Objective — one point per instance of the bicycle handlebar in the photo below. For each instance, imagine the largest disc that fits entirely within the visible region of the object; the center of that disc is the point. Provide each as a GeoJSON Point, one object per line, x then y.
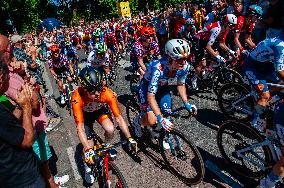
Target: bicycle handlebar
{"type": "Point", "coordinates": [276, 85]}
{"type": "Point", "coordinates": [107, 148]}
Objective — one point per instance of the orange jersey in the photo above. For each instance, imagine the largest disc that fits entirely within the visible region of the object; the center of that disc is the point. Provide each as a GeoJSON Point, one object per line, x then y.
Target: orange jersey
{"type": "Point", "coordinates": [81, 103]}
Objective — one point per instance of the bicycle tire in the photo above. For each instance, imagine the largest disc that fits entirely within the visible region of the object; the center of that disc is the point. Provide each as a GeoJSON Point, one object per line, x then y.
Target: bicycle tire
{"type": "Point", "coordinates": [226, 105]}
{"type": "Point", "coordinates": [197, 159]}
{"type": "Point", "coordinates": [242, 129]}
{"type": "Point", "coordinates": [223, 77]}
{"type": "Point", "coordinates": [115, 170]}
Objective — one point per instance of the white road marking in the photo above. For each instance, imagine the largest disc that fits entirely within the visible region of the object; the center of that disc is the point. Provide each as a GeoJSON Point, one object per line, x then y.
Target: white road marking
{"type": "Point", "coordinates": [71, 156]}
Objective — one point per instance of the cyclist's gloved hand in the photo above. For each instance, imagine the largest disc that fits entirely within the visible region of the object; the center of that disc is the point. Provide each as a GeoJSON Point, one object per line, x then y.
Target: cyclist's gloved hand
{"type": "Point", "coordinates": [89, 156]}
{"type": "Point", "coordinates": [191, 108]}
{"type": "Point", "coordinates": [132, 144]}
{"type": "Point", "coordinates": [233, 53]}
{"type": "Point", "coordinates": [245, 53]}
{"type": "Point", "coordinates": [220, 59]}
{"type": "Point", "coordinates": [165, 123]}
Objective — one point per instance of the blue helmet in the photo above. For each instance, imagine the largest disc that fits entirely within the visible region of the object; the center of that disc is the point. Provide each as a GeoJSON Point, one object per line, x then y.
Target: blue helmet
{"type": "Point", "coordinates": [190, 21]}
{"type": "Point", "coordinates": [255, 10]}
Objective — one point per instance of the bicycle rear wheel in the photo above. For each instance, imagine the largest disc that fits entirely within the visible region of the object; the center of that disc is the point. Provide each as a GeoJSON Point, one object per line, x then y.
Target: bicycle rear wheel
{"type": "Point", "coordinates": [183, 158]}
{"type": "Point", "coordinates": [116, 179]}
{"type": "Point", "coordinates": [232, 138]}
{"type": "Point", "coordinates": [236, 102]}
{"type": "Point", "coordinates": [223, 77]}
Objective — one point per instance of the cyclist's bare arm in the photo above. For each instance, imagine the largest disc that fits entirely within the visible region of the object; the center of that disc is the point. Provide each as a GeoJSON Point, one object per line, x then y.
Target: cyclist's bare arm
{"type": "Point", "coordinates": [83, 137]}
{"type": "Point", "coordinates": [71, 68]}
{"type": "Point", "coordinates": [236, 40]}
{"type": "Point", "coordinates": [153, 104]}
{"type": "Point", "coordinates": [182, 92]}
{"type": "Point", "coordinates": [211, 51]}
{"type": "Point", "coordinates": [109, 97]}
{"type": "Point", "coordinates": [77, 105]}
{"type": "Point", "coordinates": [249, 41]}
{"type": "Point", "coordinates": [141, 64]}
{"type": "Point", "coordinates": [224, 46]}
{"type": "Point", "coordinates": [123, 126]}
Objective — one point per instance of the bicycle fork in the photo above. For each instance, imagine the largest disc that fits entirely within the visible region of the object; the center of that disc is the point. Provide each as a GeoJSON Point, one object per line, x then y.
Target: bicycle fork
{"type": "Point", "coordinates": [174, 143]}
{"type": "Point", "coordinates": [106, 166]}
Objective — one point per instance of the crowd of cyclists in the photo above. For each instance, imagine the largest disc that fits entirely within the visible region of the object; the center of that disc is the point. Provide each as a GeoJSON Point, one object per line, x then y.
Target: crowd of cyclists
{"type": "Point", "coordinates": [179, 43]}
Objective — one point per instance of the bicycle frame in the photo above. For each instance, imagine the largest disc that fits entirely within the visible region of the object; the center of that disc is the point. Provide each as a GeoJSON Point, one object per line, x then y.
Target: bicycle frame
{"type": "Point", "coordinates": [253, 94]}
{"type": "Point", "coordinates": [172, 147]}
{"type": "Point", "coordinates": [106, 161]}
{"type": "Point", "coordinates": [276, 153]}
{"type": "Point", "coordinates": [105, 165]}
{"type": "Point", "coordinates": [235, 106]}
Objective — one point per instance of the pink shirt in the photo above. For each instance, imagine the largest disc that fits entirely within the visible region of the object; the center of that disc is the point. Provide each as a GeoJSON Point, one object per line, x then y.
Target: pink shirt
{"type": "Point", "coordinates": [39, 118]}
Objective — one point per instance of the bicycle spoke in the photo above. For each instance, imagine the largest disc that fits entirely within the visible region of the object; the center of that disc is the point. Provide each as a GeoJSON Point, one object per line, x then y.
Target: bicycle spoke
{"type": "Point", "coordinates": [182, 157]}
{"type": "Point", "coordinates": [237, 143]}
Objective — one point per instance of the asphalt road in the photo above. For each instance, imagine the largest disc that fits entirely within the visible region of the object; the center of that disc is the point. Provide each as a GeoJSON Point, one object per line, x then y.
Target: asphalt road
{"type": "Point", "coordinates": [201, 129]}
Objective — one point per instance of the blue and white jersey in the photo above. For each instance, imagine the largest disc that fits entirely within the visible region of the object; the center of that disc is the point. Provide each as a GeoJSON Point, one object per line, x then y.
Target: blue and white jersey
{"type": "Point", "coordinates": [158, 74]}
{"type": "Point", "coordinates": [270, 50]}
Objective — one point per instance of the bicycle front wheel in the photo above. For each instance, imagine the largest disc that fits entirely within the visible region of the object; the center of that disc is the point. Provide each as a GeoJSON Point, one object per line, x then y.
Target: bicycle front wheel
{"type": "Point", "coordinates": [182, 157]}
{"type": "Point", "coordinates": [238, 144]}
{"type": "Point", "coordinates": [115, 178]}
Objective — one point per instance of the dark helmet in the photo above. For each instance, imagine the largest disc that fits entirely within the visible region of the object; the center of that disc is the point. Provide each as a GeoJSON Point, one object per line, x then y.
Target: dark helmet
{"type": "Point", "coordinates": [91, 78]}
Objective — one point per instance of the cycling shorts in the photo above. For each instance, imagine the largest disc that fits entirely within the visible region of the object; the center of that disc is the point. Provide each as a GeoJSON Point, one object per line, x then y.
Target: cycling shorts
{"type": "Point", "coordinates": [90, 118]}
{"type": "Point", "coordinates": [259, 73]}
{"type": "Point", "coordinates": [163, 97]}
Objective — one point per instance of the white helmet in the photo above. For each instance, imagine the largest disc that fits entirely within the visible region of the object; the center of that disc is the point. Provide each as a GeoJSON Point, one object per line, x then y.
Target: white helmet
{"type": "Point", "coordinates": [177, 49]}
{"type": "Point", "coordinates": [231, 18]}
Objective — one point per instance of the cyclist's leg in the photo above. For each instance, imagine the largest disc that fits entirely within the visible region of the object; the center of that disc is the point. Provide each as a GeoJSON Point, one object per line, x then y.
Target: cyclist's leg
{"type": "Point", "coordinates": [59, 83]}
{"type": "Point", "coordinates": [103, 118]}
{"type": "Point", "coordinates": [149, 117]}
{"type": "Point", "coordinates": [164, 101]}
{"type": "Point", "coordinates": [277, 172]}
{"type": "Point", "coordinates": [258, 82]}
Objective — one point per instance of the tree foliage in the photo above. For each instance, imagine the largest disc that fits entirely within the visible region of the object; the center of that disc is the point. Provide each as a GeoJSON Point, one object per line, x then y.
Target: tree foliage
{"type": "Point", "coordinates": [27, 14]}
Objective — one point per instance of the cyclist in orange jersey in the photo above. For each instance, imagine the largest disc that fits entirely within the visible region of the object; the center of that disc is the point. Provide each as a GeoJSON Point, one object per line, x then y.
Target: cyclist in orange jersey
{"type": "Point", "coordinates": [90, 103]}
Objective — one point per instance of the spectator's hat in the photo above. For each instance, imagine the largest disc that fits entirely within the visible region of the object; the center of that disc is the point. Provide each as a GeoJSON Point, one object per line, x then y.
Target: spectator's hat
{"type": "Point", "coordinates": [16, 38]}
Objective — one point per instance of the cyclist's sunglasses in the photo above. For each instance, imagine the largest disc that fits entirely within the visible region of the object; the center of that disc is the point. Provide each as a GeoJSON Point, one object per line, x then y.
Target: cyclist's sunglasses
{"type": "Point", "coordinates": [93, 89]}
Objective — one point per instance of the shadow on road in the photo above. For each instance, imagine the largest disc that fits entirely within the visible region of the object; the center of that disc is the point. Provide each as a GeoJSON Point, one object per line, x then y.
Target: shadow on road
{"type": "Point", "coordinates": [210, 118]}
{"type": "Point", "coordinates": [217, 180]}
{"type": "Point", "coordinates": [124, 98]}
{"type": "Point", "coordinates": [52, 161]}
